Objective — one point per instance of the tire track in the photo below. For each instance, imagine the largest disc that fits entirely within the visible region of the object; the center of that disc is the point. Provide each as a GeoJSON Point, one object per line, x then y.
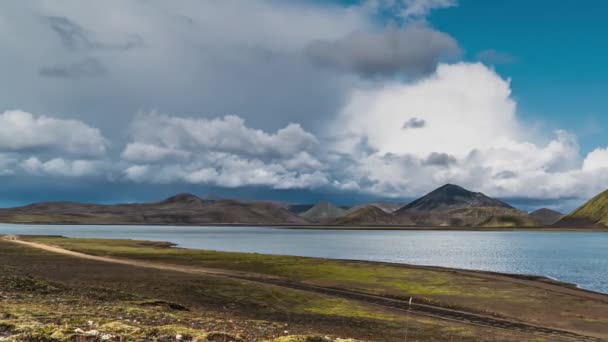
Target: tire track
{"type": "Point", "coordinates": [429, 310]}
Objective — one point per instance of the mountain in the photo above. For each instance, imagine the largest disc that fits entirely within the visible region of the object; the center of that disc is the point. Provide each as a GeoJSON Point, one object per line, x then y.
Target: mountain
{"type": "Point", "coordinates": [183, 209]}
{"type": "Point", "coordinates": [454, 206]}
{"type": "Point", "coordinates": [546, 216]}
{"type": "Point", "coordinates": [298, 208]}
{"type": "Point", "coordinates": [387, 207]}
{"type": "Point", "coordinates": [450, 197]}
{"type": "Point", "coordinates": [594, 213]}
{"type": "Point", "coordinates": [473, 217]}
{"type": "Point", "coordinates": [323, 212]}
{"type": "Point", "coordinates": [371, 215]}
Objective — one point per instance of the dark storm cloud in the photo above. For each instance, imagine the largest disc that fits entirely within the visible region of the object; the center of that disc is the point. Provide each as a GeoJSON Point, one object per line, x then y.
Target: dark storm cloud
{"type": "Point", "coordinates": [414, 123]}
{"type": "Point", "coordinates": [505, 175]}
{"type": "Point", "coordinates": [88, 67]}
{"type": "Point", "coordinates": [76, 38]}
{"type": "Point", "coordinates": [409, 50]}
{"type": "Point", "coordinates": [440, 159]}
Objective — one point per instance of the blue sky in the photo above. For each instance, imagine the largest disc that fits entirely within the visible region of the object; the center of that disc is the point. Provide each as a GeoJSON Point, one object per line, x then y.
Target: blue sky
{"type": "Point", "coordinates": [350, 101]}
{"type": "Point", "coordinates": [559, 75]}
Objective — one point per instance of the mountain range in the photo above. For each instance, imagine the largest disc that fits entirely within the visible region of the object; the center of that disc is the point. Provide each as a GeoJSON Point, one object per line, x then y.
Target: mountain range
{"type": "Point", "coordinates": [447, 206]}
{"type": "Point", "coordinates": [183, 209]}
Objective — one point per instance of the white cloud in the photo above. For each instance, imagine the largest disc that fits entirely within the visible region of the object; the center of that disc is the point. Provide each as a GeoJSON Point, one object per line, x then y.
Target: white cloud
{"type": "Point", "coordinates": [62, 167]}
{"type": "Point", "coordinates": [141, 152]}
{"type": "Point", "coordinates": [471, 122]}
{"type": "Point", "coordinates": [465, 106]}
{"type": "Point", "coordinates": [23, 132]}
{"type": "Point", "coordinates": [223, 152]}
{"type": "Point", "coordinates": [171, 135]}
{"type": "Point", "coordinates": [596, 160]}
{"type": "Point", "coordinates": [421, 8]}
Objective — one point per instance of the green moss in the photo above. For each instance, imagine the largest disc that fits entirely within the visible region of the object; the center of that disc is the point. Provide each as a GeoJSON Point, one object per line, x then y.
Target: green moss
{"type": "Point", "coordinates": [596, 210]}
{"type": "Point", "coordinates": [374, 278]}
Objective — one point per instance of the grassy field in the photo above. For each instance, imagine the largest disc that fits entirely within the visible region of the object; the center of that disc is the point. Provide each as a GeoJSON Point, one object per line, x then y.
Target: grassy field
{"type": "Point", "coordinates": [49, 294]}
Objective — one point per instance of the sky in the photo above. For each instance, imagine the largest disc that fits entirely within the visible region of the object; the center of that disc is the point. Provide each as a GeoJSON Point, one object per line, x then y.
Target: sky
{"type": "Point", "coordinates": [294, 100]}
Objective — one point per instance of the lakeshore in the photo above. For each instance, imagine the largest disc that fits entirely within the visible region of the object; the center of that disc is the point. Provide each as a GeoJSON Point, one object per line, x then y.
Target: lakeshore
{"type": "Point", "coordinates": [266, 297]}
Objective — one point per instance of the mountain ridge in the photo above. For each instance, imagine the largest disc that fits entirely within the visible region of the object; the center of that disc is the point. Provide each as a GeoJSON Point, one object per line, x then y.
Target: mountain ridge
{"type": "Point", "coordinates": [450, 197]}
{"type": "Point", "coordinates": [592, 214]}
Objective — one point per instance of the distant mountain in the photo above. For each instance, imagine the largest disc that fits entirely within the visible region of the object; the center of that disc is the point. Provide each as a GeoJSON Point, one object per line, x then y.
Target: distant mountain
{"type": "Point", "coordinates": [450, 197]}
{"type": "Point", "coordinates": [323, 212]}
{"type": "Point", "coordinates": [371, 215]}
{"type": "Point", "coordinates": [546, 216]}
{"type": "Point", "coordinates": [594, 213]}
{"type": "Point", "coordinates": [388, 207]}
{"type": "Point", "coordinates": [472, 217]}
{"type": "Point", "coordinates": [298, 208]}
{"type": "Point", "coordinates": [185, 199]}
{"type": "Point", "coordinates": [454, 206]}
{"type": "Point", "coordinates": [184, 209]}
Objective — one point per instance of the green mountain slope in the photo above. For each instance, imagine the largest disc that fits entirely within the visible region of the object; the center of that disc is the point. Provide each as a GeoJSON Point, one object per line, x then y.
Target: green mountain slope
{"type": "Point", "coordinates": [592, 213]}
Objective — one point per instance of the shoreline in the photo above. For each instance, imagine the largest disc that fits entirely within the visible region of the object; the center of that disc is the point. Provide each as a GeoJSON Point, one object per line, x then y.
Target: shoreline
{"type": "Point", "coordinates": [534, 278]}
{"type": "Point", "coordinates": [330, 227]}
{"type": "Point", "coordinates": [365, 300]}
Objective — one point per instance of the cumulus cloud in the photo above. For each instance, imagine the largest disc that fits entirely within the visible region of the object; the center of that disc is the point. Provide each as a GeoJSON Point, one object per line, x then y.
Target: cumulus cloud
{"type": "Point", "coordinates": [227, 134]}
{"type": "Point", "coordinates": [596, 160]}
{"type": "Point", "coordinates": [476, 140]}
{"type": "Point", "coordinates": [409, 50]}
{"type": "Point", "coordinates": [148, 153]}
{"type": "Point", "coordinates": [62, 167]}
{"type": "Point", "coordinates": [23, 132]}
{"type": "Point", "coordinates": [223, 152]}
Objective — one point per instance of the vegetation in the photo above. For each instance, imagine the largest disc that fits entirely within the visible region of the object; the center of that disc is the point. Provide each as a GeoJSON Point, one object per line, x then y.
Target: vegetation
{"type": "Point", "coordinates": [594, 212]}
{"type": "Point", "coordinates": [495, 295]}
{"type": "Point", "coordinates": [52, 297]}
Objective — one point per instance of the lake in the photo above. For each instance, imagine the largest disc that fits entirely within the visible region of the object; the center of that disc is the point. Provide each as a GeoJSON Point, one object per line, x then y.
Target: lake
{"type": "Point", "coordinates": [575, 257]}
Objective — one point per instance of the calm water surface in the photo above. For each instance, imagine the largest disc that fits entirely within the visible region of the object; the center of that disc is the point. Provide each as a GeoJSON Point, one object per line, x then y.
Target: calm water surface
{"type": "Point", "coordinates": [576, 257]}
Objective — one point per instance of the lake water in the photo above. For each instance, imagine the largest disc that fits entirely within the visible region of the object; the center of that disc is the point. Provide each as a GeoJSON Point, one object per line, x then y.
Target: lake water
{"type": "Point", "coordinates": [575, 257]}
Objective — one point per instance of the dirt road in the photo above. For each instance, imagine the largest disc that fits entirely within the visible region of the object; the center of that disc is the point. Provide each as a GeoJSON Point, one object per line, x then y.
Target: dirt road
{"type": "Point", "coordinates": [416, 308]}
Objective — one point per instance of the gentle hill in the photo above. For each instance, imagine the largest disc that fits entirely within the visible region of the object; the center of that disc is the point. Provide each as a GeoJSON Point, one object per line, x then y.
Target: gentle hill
{"type": "Point", "coordinates": [473, 217]}
{"type": "Point", "coordinates": [388, 207]}
{"type": "Point", "coordinates": [180, 209]}
{"type": "Point", "coordinates": [298, 208]}
{"type": "Point", "coordinates": [450, 197]}
{"type": "Point", "coordinates": [371, 215]}
{"type": "Point", "coordinates": [594, 213]}
{"type": "Point", "coordinates": [323, 212]}
{"type": "Point", "coordinates": [546, 216]}
{"type": "Point", "coordinates": [188, 200]}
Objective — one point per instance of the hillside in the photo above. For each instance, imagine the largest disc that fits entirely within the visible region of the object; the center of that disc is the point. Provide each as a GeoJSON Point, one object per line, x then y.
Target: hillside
{"type": "Point", "coordinates": [594, 213]}
{"type": "Point", "coordinates": [546, 216]}
{"type": "Point", "coordinates": [372, 215]}
{"type": "Point", "coordinates": [450, 197]}
{"type": "Point", "coordinates": [454, 206]}
{"type": "Point", "coordinates": [323, 212]}
{"type": "Point", "coordinates": [473, 217]}
{"type": "Point", "coordinates": [184, 209]}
